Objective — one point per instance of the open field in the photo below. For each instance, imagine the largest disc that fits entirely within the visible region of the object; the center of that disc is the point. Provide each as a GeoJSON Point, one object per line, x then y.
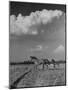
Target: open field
{"type": "Point", "coordinates": [29, 76]}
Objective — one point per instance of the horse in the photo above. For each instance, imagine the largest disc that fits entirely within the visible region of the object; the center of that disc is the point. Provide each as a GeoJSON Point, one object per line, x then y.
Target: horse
{"type": "Point", "coordinates": [36, 61]}
{"type": "Point", "coordinates": [46, 62]}
{"type": "Point", "coordinates": [55, 63]}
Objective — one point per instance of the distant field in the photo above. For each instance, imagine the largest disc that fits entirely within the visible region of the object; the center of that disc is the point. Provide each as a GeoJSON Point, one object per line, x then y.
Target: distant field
{"type": "Point", "coordinates": [36, 77]}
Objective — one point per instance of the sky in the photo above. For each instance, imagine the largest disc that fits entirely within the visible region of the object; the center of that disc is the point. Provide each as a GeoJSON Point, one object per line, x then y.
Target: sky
{"type": "Point", "coordinates": [37, 30]}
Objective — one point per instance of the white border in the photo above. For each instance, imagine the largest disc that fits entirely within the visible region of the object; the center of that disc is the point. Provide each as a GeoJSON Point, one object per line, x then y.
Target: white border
{"type": "Point", "coordinates": [4, 43]}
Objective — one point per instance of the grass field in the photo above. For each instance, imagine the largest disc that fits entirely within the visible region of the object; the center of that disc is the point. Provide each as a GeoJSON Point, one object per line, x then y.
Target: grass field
{"type": "Point", "coordinates": [36, 77]}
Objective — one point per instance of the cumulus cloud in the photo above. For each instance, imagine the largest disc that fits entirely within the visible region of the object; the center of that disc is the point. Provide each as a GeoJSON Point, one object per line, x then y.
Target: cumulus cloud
{"type": "Point", "coordinates": [39, 48]}
{"type": "Point", "coordinates": [22, 24]}
{"type": "Point", "coordinates": [59, 49]}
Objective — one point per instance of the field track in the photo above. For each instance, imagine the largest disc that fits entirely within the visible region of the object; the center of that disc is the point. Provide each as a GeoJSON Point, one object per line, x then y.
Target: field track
{"type": "Point", "coordinates": [33, 77]}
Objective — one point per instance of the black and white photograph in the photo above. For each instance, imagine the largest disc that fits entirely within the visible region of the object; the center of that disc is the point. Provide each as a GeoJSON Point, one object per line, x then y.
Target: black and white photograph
{"type": "Point", "coordinates": [37, 44]}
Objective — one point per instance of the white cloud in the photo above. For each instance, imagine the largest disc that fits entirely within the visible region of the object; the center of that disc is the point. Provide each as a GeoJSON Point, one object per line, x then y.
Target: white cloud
{"type": "Point", "coordinates": [34, 32]}
{"type": "Point", "coordinates": [59, 49]}
{"type": "Point", "coordinates": [22, 24]}
{"type": "Point", "coordinates": [42, 31]}
{"type": "Point", "coordinates": [39, 48]}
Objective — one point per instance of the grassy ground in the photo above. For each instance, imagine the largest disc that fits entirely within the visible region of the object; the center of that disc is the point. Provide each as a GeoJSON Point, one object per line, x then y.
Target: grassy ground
{"type": "Point", "coordinates": [37, 77]}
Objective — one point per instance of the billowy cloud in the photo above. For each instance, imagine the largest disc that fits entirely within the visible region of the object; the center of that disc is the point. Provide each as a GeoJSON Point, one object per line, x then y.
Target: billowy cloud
{"type": "Point", "coordinates": [22, 24]}
{"type": "Point", "coordinates": [59, 49]}
{"type": "Point", "coordinates": [39, 48]}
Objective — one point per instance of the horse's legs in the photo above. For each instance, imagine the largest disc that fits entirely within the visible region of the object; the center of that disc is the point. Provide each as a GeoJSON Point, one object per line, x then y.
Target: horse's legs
{"type": "Point", "coordinates": [43, 66]}
{"type": "Point", "coordinates": [54, 65]}
{"type": "Point", "coordinates": [47, 66]}
{"type": "Point", "coordinates": [35, 67]}
{"type": "Point", "coordinates": [58, 65]}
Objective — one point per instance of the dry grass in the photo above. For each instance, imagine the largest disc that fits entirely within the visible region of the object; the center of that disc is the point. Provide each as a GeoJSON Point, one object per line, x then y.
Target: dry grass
{"type": "Point", "coordinates": [39, 77]}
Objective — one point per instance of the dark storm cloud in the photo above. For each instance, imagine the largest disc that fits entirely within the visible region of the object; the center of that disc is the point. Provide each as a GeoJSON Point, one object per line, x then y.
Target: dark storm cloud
{"type": "Point", "coordinates": [25, 8]}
